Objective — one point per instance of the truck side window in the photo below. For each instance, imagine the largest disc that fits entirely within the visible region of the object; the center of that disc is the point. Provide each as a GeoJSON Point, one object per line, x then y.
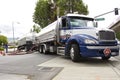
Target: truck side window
{"type": "Point", "coordinates": [64, 24]}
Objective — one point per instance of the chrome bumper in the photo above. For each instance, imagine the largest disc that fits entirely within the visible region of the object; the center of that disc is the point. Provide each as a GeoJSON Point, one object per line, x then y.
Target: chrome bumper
{"type": "Point", "coordinates": [102, 47]}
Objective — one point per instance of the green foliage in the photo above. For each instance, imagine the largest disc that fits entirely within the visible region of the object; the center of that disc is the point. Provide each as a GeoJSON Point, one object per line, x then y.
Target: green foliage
{"type": "Point", "coordinates": [41, 14]}
{"type": "Point", "coordinates": [11, 47]}
{"type": "Point", "coordinates": [3, 40]}
{"type": "Point", "coordinates": [118, 35]}
{"type": "Point", "coordinates": [77, 6]}
{"type": "Point", "coordinates": [1, 49]}
{"type": "Point", "coordinates": [36, 29]}
{"type": "Point", "coordinates": [46, 11]}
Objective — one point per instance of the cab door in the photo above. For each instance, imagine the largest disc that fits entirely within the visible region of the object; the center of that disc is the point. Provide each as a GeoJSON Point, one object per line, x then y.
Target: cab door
{"type": "Point", "coordinates": [64, 30]}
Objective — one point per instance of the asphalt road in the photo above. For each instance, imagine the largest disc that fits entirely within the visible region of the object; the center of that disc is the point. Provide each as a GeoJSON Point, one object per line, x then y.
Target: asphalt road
{"type": "Point", "coordinates": [53, 67]}
{"type": "Point", "coordinates": [28, 65]}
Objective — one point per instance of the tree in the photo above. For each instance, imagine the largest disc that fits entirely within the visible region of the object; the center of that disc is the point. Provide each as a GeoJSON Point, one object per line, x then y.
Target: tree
{"type": "Point", "coordinates": [46, 10]}
{"type": "Point", "coordinates": [118, 35]}
{"type": "Point", "coordinates": [3, 40]}
{"type": "Point", "coordinates": [41, 14]}
{"type": "Point", "coordinates": [36, 28]}
{"type": "Point", "coordinates": [70, 6]}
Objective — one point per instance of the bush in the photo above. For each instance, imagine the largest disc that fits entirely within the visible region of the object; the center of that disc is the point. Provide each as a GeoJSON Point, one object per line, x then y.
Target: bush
{"type": "Point", "coordinates": [1, 49]}
{"type": "Point", "coordinates": [118, 35]}
{"type": "Point", "coordinates": [11, 47]}
{"type": "Point", "coordinates": [3, 40]}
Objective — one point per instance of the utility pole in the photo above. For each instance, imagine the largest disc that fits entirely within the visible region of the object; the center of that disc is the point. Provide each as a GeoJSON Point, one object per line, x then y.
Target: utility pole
{"type": "Point", "coordinates": [13, 33]}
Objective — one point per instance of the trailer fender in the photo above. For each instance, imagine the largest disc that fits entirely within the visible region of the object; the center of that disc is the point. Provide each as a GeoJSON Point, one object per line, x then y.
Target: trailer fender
{"type": "Point", "coordinates": [44, 48]}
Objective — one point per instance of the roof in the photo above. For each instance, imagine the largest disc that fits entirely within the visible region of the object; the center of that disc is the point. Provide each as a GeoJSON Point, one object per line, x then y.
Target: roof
{"type": "Point", "coordinates": [78, 15]}
{"type": "Point", "coordinates": [52, 26]}
{"type": "Point", "coordinates": [114, 23]}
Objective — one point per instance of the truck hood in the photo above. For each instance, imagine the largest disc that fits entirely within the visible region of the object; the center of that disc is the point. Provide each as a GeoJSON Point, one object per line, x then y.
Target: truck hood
{"type": "Point", "coordinates": [93, 32]}
{"type": "Point", "coordinates": [86, 31]}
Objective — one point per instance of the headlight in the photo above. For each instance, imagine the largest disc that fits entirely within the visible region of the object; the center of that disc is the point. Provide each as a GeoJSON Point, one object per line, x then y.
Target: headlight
{"type": "Point", "coordinates": [89, 41]}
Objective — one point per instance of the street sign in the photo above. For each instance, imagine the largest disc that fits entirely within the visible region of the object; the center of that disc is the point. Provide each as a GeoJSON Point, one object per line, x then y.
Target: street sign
{"type": "Point", "coordinates": [99, 19]}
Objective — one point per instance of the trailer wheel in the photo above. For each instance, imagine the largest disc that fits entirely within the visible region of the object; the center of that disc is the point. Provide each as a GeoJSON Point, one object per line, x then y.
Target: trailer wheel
{"type": "Point", "coordinates": [74, 52]}
{"type": "Point", "coordinates": [44, 50]}
{"type": "Point", "coordinates": [105, 58]}
{"type": "Point", "coordinates": [26, 48]}
{"type": "Point", "coordinates": [41, 49]}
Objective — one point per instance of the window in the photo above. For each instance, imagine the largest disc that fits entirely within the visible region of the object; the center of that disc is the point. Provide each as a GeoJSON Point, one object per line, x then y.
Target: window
{"type": "Point", "coordinates": [64, 24]}
{"type": "Point", "coordinates": [78, 22]}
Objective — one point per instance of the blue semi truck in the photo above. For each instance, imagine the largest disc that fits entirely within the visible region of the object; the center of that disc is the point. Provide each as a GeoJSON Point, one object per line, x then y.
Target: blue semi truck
{"type": "Point", "coordinates": [76, 36]}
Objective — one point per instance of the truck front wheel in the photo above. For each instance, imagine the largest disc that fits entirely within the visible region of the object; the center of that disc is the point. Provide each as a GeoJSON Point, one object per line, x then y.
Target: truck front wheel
{"type": "Point", "coordinates": [74, 52]}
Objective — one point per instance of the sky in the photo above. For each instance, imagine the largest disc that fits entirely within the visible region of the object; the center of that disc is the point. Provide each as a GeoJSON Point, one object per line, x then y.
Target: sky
{"type": "Point", "coordinates": [16, 12]}
{"type": "Point", "coordinates": [20, 12]}
{"type": "Point", "coordinates": [97, 7]}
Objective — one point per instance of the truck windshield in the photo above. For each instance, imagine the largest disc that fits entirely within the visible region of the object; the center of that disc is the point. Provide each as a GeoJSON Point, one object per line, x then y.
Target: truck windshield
{"type": "Point", "coordinates": [81, 22]}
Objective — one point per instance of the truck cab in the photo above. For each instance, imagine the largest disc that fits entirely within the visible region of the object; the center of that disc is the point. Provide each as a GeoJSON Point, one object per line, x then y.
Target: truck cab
{"type": "Point", "coordinates": [76, 36]}
{"type": "Point", "coordinates": [81, 38]}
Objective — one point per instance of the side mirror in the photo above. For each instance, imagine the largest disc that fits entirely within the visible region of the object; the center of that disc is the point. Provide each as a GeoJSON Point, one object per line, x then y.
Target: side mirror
{"type": "Point", "coordinates": [96, 24]}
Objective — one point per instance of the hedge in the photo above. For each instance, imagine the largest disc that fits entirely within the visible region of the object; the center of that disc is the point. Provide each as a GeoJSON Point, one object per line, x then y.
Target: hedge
{"type": "Point", "coordinates": [1, 49]}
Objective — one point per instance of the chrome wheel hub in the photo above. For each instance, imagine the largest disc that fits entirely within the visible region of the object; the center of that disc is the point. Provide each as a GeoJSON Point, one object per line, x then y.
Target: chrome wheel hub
{"type": "Point", "coordinates": [40, 50]}
{"type": "Point", "coordinates": [43, 50]}
{"type": "Point", "coordinates": [72, 53]}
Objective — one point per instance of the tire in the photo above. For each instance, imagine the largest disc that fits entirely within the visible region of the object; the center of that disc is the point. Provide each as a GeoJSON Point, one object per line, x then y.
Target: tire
{"type": "Point", "coordinates": [40, 49]}
{"type": "Point", "coordinates": [106, 58]}
{"type": "Point", "coordinates": [25, 47]}
{"type": "Point", "coordinates": [74, 53]}
{"type": "Point", "coordinates": [18, 48]}
{"type": "Point", "coordinates": [44, 50]}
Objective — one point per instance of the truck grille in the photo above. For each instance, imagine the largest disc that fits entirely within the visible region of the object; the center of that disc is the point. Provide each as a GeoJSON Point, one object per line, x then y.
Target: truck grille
{"type": "Point", "coordinates": [106, 35]}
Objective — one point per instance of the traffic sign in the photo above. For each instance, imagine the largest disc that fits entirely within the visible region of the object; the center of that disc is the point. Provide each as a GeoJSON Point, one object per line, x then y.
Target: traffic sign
{"type": "Point", "coordinates": [99, 19]}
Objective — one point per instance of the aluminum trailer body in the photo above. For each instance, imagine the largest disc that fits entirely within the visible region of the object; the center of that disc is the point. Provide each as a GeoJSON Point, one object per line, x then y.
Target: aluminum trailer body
{"type": "Point", "coordinates": [26, 42]}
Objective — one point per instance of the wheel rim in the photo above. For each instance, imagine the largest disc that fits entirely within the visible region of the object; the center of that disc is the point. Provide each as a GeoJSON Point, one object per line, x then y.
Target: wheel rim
{"type": "Point", "coordinates": [72, 53]}
{"type": "Point", "coordinates": [43, 50]}
{"type": "Point", "coordinates": [40, 49]}
{"type": "Point", "coordinates": [25, 48]}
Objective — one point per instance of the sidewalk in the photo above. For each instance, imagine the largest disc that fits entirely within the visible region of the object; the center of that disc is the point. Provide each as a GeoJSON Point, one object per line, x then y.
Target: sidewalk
{"type": "Point", "coordinates": [15, 52]}
{"type": "Point", "coordinates": [83, 71]}
{"type": "Point", "coordinates": [4, 76]}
